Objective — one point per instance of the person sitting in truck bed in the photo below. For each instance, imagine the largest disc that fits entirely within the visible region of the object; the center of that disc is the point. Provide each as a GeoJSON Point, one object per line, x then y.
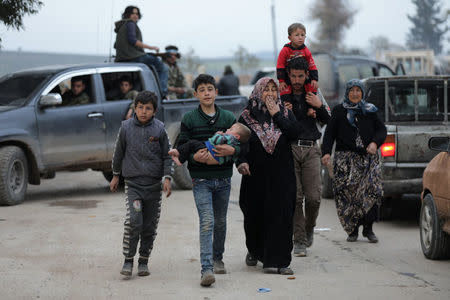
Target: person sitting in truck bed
{"type": "Point", "coordinates": [77, 94]}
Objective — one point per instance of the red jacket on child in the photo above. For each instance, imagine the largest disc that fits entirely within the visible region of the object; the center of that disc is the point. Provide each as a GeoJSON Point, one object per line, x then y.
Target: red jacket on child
{"type": "Point", "coordinates": [288, 52]}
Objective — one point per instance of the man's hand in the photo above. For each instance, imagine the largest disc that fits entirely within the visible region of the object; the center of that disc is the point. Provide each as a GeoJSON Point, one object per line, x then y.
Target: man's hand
{"type": "Point", "coordinates": [201, 156]}
{"type": "Point", "coordinates": [180, 90]}
{"type": "Point", "coordinates": [372, 148]}
{"type": "Point", "coordinates": [314, 84]}
{"type": "Point", "coordinates": [283, 86]}
{"type": "Point", "coordinates": [326, 159]}
{"type": "Point", "coordinates": [244, 169]}
{"type": "Point", "coordinates": [223, 150]}
{"type": "Point", "coordinates": [114, 183]}
{"type": "Point", "coordinates": [288, 105]}
{"type": "Point", "coordinates": [311, 113]}
{"type": "Point", "coordinates": [313, 100]}
{"type": "Point", "coordinates": [167, 187]}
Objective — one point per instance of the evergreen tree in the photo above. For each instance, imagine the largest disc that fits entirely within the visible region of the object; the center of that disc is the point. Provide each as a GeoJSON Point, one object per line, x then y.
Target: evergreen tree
{"type": "Point", "coordinates": [426, 32]}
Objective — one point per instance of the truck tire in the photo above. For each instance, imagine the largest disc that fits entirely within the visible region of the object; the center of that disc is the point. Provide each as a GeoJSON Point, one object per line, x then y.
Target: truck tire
{"type": "Point", "coordinates": [327, 186]}
{"type": "Point", "coordinates": [13, 175]}
{"type": "Point", "coordinates": [182, 177]}
{"type": "Point", "coordinates": [434, 241]}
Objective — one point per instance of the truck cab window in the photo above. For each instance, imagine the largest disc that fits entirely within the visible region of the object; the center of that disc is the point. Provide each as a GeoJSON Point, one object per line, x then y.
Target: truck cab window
{"type": "Point", "coordinates": [121, 85]}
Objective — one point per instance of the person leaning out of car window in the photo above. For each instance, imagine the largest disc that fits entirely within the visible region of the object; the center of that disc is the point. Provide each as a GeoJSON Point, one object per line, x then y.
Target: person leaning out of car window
{"type": "Point", "coordinates": [77, 94]}
{"type": "Point", "coordinates": [357, 187]}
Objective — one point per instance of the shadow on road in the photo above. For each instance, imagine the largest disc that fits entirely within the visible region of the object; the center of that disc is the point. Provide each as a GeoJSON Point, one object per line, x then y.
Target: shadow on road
{"type": "Point", "coordinates": [68, 193]}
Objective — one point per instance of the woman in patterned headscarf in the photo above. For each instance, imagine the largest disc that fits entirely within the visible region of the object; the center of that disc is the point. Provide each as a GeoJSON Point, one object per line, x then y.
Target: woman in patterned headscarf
{"type": "Point", "coordinates": [358, 133]}
{"type": "Point", "coordinates": [267, 195]}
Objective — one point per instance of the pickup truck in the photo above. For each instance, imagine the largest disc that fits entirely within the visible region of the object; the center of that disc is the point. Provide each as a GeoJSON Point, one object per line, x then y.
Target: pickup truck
{"type": "Point", "coordinates": [39, 136]}
{"type": "Point", "coordinates": [414, 109]}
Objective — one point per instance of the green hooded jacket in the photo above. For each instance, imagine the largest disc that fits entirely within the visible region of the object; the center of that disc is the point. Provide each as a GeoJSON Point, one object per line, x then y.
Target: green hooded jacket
{"type": "Point", "coordinates": [124, 50]}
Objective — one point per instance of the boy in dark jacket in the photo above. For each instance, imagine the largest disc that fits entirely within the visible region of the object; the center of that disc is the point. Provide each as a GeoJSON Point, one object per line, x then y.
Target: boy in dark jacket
{"type": "Point", "coordinates": [141, 157]}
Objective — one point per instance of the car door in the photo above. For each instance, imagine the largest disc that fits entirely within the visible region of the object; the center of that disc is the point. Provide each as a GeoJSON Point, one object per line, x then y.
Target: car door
{"type": "Point", "coordinates": [72, 135]}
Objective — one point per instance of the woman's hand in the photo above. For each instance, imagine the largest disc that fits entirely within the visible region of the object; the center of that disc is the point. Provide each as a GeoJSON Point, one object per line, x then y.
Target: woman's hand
{"type": "Point", "coordinates": [372, 148]}
{"type": "Point", "coordinates": [326, 159]}
{"type": "Point", "coordinates": [201, 156]}
{"type": "Point", "coordinates": [244, 169]}
{"type": "Point", "coordinates": [272, 106]}
{"type": "Point", "coordinates": [223, 150]}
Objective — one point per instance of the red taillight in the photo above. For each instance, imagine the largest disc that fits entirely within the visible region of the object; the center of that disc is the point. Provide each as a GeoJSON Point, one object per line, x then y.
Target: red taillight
{"type": "Point", "coordinates": [388, 149]}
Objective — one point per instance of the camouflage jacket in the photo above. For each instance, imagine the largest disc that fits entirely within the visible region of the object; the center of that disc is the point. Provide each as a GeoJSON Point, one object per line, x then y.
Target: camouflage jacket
{"type": "Point", "coordinates": [176, 79]}
{"type": "Point", "coordinates": [68, 99]}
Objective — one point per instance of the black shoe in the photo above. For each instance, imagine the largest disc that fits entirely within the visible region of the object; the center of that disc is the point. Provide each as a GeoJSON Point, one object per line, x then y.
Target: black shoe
{"type": "Point", "coordinates": [285, 271]}
{"type": "Point", "coordinates": [352, 238]}
{"type": "Point", "coordinates": [309, 238]}
{"type": "Point", "coordinates": [127, 268]}
{"type": "Point", "coordinates": [370, 236]}
{"type": "Point", "coordinates": [250, 260]}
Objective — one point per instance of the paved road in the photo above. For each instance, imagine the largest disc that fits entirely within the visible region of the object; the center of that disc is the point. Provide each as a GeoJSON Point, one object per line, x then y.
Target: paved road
{"type": "Point", "coordinates": [65, 242]}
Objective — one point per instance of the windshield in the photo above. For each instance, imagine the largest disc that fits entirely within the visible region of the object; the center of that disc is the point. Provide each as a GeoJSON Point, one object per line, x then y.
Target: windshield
{"type": "Point", "coordinates": [16, 89]}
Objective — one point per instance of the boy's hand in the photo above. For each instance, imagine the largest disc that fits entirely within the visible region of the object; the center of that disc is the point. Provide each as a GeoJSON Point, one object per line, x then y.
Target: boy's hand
{"type": "Point", "coordinates": [314, 84]}
{"type": "Point", "coordinates": [167, 187]}
{"type": "Point", "coordinates": [311, 113]}
{"type": "Point", "coordinates": [223, 150]}
{"type": "Point", "coordinates": [283, 86]}
{"type": "Point", "coordinates": [114, 183]}
{"type": "Point", "coordinates": [201, 156]}
{"type": "Point", "coordinates": [288, 105]}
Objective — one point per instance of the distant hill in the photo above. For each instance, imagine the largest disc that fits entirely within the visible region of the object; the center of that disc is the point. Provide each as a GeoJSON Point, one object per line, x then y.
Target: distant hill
{"type": "Point", "coordinates": [11, 61]}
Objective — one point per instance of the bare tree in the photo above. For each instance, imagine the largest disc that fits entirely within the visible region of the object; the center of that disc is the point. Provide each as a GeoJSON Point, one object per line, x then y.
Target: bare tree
{"type": "Point", "coordinates": [12, 12]}
{"type": "Point", "coordinates": [245, 60]}
{"type": "Point", "coordinates": [191, 61]}
{"type": "Point", "coordinates": [427, 31]}
{"type": "Point", "coordinates": [334, 17]}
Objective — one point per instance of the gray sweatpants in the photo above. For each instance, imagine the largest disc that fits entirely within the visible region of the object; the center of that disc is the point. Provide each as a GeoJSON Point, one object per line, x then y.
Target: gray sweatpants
{"type": "Point", "coordinates": [143, 204]}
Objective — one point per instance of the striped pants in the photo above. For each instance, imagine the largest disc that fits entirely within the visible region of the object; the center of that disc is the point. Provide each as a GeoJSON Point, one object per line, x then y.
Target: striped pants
{"type": "Point", "coordinates": [143, 204]}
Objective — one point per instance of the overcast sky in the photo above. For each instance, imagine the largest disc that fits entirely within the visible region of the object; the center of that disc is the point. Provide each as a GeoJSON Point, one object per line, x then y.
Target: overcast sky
{"type": "Point", "coordinates": [211, 27]}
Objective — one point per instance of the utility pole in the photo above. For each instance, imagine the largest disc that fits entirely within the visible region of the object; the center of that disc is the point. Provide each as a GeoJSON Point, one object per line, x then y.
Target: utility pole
{"type": "Point", "coordinates": [274, 33]}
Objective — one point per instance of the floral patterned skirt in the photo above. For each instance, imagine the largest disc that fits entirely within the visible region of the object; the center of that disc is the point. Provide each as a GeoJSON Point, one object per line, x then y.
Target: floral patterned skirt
{"type": "Point", "coordinates": [357, 186]}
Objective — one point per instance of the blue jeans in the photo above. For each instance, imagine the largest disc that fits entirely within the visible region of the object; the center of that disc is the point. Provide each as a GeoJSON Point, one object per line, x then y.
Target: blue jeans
{"type": "Point", "coordinates": [161, 68]}
{"type": "Point", "coordinates": [211, 198]}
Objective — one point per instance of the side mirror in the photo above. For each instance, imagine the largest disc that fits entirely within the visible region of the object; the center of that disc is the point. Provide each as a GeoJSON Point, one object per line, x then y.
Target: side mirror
{"type": "Point", "coordinates": [51, 99]}
{"type": "Point", "coordinates": [441, 144]}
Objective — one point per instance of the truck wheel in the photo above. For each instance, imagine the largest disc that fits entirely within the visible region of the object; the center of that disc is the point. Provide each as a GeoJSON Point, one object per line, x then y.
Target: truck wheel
{"type": "Point", "coordinates": [182, 177]}
{"type": "Point", "coordinates": [13, 175]}
{"type": "Point", "coordinates": [327, 186]}
{"type": "Point", "coordinates": [435, 242]}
